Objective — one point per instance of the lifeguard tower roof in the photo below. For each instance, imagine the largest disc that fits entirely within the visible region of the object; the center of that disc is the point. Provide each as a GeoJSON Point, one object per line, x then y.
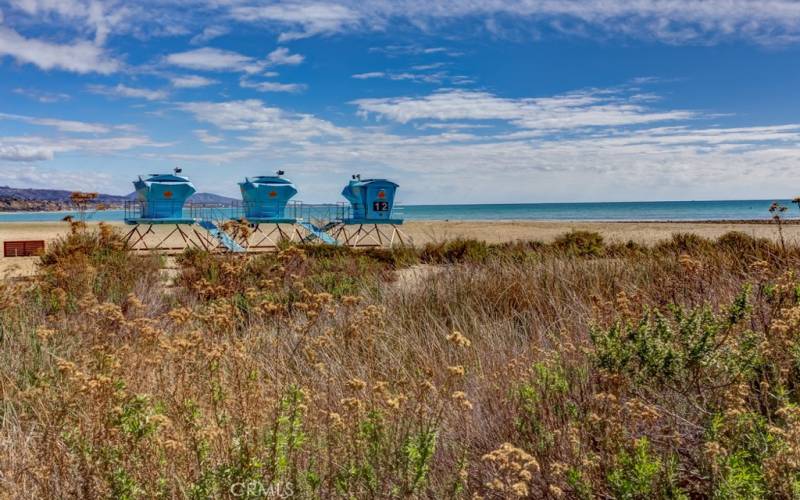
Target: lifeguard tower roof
{"type": "Point", "coordinates": [265, 198]}
{"type": "Point", "coordinates": [161, 198]}
{"type": "Point", "coordinates": [371, 200]}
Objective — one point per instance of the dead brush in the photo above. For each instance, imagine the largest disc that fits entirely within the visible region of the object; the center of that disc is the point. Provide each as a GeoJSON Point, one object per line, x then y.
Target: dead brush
{"type": "Point", "coordinates": [527, 370]}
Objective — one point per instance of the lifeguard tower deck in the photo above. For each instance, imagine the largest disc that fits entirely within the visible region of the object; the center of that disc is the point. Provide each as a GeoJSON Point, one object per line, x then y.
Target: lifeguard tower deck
{"type": "Point", "coordinates": [267, 216]}
{"type": "Point", "coordinates": [370, 218]}
{"type": "Point", "coordinates": [161, 202]}
{"type": "Point", "coordinates": [264, 219]}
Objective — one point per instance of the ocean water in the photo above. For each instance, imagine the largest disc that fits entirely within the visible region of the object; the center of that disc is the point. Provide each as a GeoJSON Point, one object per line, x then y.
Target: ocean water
{"type": "Point", "coordinates": [601, 211]}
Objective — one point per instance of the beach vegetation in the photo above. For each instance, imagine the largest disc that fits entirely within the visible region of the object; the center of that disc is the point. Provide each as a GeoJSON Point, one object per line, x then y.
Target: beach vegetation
{"type": "Point", "coordinates": [576, 368]}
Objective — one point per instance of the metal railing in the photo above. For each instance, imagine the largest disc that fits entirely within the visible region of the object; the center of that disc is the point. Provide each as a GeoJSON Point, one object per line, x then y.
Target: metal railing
{"type": "Point", "coordinates": [322, 214]}
{"type": "Point", "coordinates": [267, 209]}
{"type": "Point", "coordinates": [397, 212]}
{"type": "Point", "coordinates": [211, 212]}
{"type": "Point", "coordinates": [319, 214]}
{"type": "Point", "coordinates": [154, 210]}
{"type": "Point", "coordinates": [175, 210]}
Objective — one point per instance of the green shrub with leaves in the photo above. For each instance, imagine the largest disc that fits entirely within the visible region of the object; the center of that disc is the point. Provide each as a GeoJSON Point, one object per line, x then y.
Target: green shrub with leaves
{"type": "Point", "coordinates": [639, 474]}
{"type": "Point", "coordinates": [580, 243]}
{"type": "Point", "coordinates": [457, 250]}
{"type": "Point", "coordinates": [680, 346]}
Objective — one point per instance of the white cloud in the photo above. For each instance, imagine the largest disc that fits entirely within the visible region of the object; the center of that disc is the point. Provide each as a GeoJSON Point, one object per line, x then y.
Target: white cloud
{"type": "Point", "coordinates": [204, 136]}
{"type": "Point", "coordinates": [449, 167]}
{"type": "Point", "coordinates": [53, 178]}
{"type": "Point", "coordinates": [272, 86]}
{"type": "Point", "coordinates": [673, 21]}
{"type": "Point", "coordinates": [312, 18]}
{"type": "Point", "coordinates": [426, 67]}
{"type": "Point", "coordinates": [78, 57]}
{"type": "Point", "coordinates": [72, 126]}
{"type": "Point", "coordinates": [209, 33]}
{"type": "Point", "coordinates": [61, 125]}
{"type": "Point", "coordinates": [451, 126]}
{"type": "Point", "coordinates": [41, 95]}
{"type": "Point", "coordinates": [281, 56]}
{"type": "Point", "coordinates": [97, 16]}
{"type": "Point", "coordinates": [212, 59]}
{"type": "Point", "coordinates": [62, 144]}
{"type": "Point", "coordinates": [262, 124]}
{"type": "Point", "coordinates": [414, 50]}
{"type": "Point", "coordinates": [109, 144]}
{"type": "Point", "coordinates": [670, 21]}
{"type": "Point", "coordinates": [121, 90]}
{"type": "Point", "coordinates": [24, 153]}
{"type": "Point", "coordinates": [584, 145]}
{"type": "Point", "coordinates": [31, 148]}
{"type": "Point", "coordinates": [191, 81]}
{"type": "Point", "coordinates": [580, 109]}
{"type": "Point", "coordinates": [435, 77]}
{"type": "Point", "coordinates": [369, 74]}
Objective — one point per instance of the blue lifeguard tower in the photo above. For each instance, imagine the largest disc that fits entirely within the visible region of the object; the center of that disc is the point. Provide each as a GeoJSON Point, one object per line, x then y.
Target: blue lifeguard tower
{"type": "Point", "coordinates": [265, 203]}
{"type": "Point", "coordinates": [161, 200]}
{"type": "Point", "coordinates": [371, 218]}
{"type": "Point", "coordinates": [368, 218]}
{"type": "Point", "coordinates": [371, 201]}
{"type": "Point", "coordinates": [264, 198]}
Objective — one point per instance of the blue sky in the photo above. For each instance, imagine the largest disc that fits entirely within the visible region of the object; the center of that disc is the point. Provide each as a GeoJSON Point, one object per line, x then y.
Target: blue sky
{"type": "Point", "coordinates": [457, 101]}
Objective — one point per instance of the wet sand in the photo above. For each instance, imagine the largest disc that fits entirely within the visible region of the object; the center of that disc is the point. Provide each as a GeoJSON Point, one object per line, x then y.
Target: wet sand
{"type": "Point", "coordinates": [426, 231]}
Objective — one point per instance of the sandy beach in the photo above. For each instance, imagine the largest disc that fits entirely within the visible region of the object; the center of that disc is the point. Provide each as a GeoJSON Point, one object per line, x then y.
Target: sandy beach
{"type": "Point", "coordinates": [427, 231]}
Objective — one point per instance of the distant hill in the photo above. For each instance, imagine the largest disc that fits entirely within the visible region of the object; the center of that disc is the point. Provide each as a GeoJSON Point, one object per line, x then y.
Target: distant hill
{"type": "Point", "coordinates": [206, 198]}
{"type": "Point", "coordinates": [211, 198]}
{"type": "Point", "coordinates": [28, 199]}
{"type": "Point", "coordinates": [56, 195]}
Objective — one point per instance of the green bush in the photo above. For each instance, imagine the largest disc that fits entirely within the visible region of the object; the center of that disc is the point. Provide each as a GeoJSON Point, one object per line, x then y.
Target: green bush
{"type": "Point", "coordinates": [685, 243]}
{"type": "Point", "coordinates": [580, 243]}
{"type": "Point", "coordinates": [672, 348]}
{"type": "Point", "coordinates": [641, 474]}
{"type": "Point", "coordinates": [458, 250]}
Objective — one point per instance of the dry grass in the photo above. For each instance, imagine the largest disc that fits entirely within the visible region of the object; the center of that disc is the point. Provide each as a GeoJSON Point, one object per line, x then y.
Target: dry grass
{"type": "Point", "coordinates": [575, 369]}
